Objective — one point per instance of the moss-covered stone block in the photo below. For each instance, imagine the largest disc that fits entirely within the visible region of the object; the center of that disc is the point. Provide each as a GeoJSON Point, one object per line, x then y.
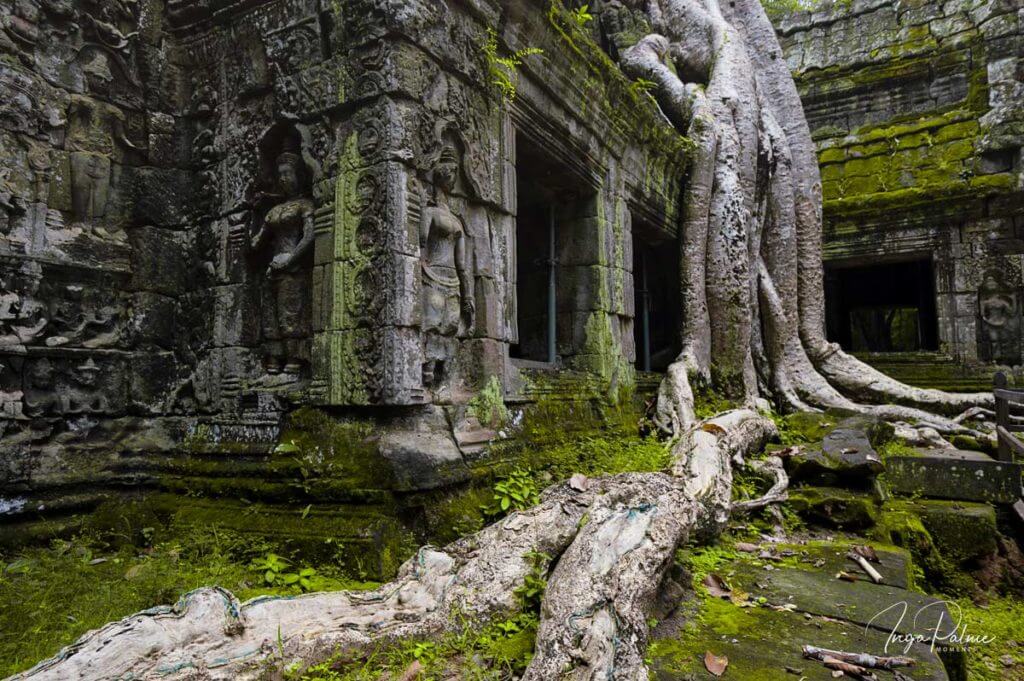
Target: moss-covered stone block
{"type": "Point", "coordinates": [903, 523]}
{"type": "Point", "coordinates": [834, 507]}
{"type": "Point", "coordinates": [954, 474]}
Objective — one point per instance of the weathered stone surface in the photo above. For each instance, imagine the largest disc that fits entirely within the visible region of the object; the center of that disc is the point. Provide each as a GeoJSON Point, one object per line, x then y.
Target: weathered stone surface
{"type": "Point", "coordinates": [955, 474]}
{"type": "Point", "coordinates": [423, 453]}
{"type": "Point", "coordinates": [221, 216]}
{"type": "Point", "coordinates": [834, 507]}
{"type": "Point", "coordinates": [824, 611]}
{"type": "Point", "coordinates": [960, 531]}
{"type": "Point", "coordinates": [761, 643]}
{"type": "Point", "coordinates": [878, 606]}
{"type": "Point", "coordinates": [846, 456]}
{"type": "Point", "coordinates": [917, 114]}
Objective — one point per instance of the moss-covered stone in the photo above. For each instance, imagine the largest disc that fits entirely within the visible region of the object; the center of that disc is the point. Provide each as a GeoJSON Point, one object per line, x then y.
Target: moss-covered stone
{"type": "Point", "coordinates": [834, 507]}
{"type": "Point", "coordinates": [902, 523]}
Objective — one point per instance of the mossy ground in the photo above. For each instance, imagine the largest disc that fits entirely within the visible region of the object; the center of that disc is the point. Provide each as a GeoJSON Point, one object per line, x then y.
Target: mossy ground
{"type": "Point", "coordinates": [1002, 618]}
{"type": "Point", "coordinates": [49, 596]}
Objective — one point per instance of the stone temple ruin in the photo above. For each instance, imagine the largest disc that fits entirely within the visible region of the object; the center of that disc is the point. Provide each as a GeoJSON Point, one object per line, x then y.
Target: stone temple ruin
{"type": "Point", "coordinates": [226, 223]}
{"type": "Point", "coordinates": [312, 268]}
{"type": "Point", "coordinates": [217, 213]}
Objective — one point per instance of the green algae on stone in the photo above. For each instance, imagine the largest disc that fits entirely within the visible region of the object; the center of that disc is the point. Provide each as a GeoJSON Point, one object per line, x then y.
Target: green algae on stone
{"type": "Point", "coordinates": [834, 507]}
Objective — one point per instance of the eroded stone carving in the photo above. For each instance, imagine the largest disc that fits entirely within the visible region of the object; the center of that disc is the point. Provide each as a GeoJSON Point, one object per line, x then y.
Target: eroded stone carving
{"type": "Point", "coordinates": [285, 230]}
{"type": "Point", "coordinates": [95, 132]}
{"type": "Point", "coordinates": [447, 286]}
{"type": "Point", "coordinates": [999, 321]}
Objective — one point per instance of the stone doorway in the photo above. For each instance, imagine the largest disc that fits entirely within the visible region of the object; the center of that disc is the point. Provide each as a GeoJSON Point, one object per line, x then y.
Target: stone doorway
{"type": "Point", "coordinates": [886, 307]}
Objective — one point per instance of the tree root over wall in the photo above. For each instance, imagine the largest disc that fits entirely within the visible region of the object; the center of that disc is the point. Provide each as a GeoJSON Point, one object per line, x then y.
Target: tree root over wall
{"type": "Point", "coordinates": [753, 328]}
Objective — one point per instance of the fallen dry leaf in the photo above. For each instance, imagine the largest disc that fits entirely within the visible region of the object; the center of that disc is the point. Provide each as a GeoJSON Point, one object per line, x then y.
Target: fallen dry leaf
{"type": "Point", "coordinates": [717, 586]}
{"type": "Point", "coordinates": [715, 664]}
{"type": "Point", "coordinates": [712, 428]}
{"type": "Point", "coordinates": [787, 452]}
{"type": "Point", "coordinates": [412, 671]}
{"type": "Point", "coordinates": [867, 552]}
{"type": "Point", "coordinates": [846, 577]}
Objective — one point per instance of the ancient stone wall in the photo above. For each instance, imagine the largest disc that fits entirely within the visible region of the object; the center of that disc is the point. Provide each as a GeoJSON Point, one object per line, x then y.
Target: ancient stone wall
{"type": "Point", "coordinates": [216, 213]}
{"type": "Point", "coordinates": [918, 110]}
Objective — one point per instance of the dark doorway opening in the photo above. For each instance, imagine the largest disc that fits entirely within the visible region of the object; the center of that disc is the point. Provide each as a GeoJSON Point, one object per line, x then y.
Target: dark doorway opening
{"type": "Point", "coordinates": [554, 210]}
{"type": "Point", "coordinates": [887, 307]}
{"type": "Point", "coordinates": [656, 298]}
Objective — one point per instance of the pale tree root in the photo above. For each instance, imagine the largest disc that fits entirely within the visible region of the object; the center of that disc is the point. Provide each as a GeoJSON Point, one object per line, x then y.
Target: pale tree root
{"type": "Point", "coordinates": [209, 635]}
{"type": "Point", "coordinates": [594, 613]}
{"type": "Point", "coordinates": [615, 537]}
{"type": "Point", "coordinates": [769, 468]}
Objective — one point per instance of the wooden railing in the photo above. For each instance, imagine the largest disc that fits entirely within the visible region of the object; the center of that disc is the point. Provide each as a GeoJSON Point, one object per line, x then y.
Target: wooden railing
{"type": "Point", "coordinates": [1010, 446]}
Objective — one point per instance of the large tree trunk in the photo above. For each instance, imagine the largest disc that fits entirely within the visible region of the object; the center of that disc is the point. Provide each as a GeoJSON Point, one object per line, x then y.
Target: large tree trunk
{"type": "Point", "coordinates": [751, 282]}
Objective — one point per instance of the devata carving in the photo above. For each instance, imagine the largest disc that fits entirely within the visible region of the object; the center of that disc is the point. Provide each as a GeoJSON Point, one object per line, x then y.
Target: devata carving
{"type": "Point", "coordinates": [11, 205]}
{"type": "Point", "coordinates": [286, 231]}
{"type": "Point", "coordinates": [999, 327]}
{"type": "Point", "coordinates": [447, 282]}
{"type": "Point", "coordinates": [95, 132]}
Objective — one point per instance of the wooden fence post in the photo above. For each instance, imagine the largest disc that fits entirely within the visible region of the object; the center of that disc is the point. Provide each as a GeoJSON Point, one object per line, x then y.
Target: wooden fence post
{"type": "Point", "coordinates": [1002, 416]}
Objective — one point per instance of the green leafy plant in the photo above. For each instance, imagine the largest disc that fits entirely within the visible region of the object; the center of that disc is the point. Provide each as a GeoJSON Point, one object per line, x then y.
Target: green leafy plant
{"type": "Point", "coordinates": [582, 15]}
{"type": "Point", "coordinates": [516, 492]}
{"type": "Point", "coordinates": [535, 582]}
{"type": "Point", "coordinates": [642, 86]}
{"type": "Point", "coordinates": [289, 447]}
{"type": "Point", "coordinates": [274, 572]}
{"type": "Point", "coordinates": [503, 70]}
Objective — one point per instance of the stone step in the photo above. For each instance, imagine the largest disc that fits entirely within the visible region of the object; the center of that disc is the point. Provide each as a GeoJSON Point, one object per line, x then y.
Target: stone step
{"type": "Point", "coordinates": [954, 474]}
{"type": "Point", "coordinates": [820, 610]}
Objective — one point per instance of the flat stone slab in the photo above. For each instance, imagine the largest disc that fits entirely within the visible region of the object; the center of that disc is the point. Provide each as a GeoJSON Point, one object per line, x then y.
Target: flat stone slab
{"type": "Point", "coordinates": [955, 474]}
{"type": "Point", "coordinates": [961, 530]}
{"type": "Point", "coordinates": [883, 607]}
{"type": "Point", "coordinates": [845, 455]}
{"type": "Point", "coordinates": [829, 558]}
{"type": "Point", "coordinates": [761, 643]}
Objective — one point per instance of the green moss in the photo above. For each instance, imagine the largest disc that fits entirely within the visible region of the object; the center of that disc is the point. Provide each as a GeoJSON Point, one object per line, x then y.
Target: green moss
{"type": "Point", "coordinates": [457, 514]}
{"type": "Point", "coordinates": [716, 621]}
{"type": "Point", "coordinates": [325, 447]}
{"type": "Point", "coordinates": [999, 618]}
{"type": "Point", "coordinates": [901, 524]}
{"type": "Point", "coordinates": [834, 507]}
{"type": "Point", "coordinates": [897, 447]}
{"type": "Point", "coordinates": [802, 427]}
{"type": "Point", "coordinates": [707, 402]}
{"type": "Point", "coordinates": [598, 455]}
{"type": "Point", "coordinates": [700, 561]}
{"type": "Point", "coordinates": [51, 596]}
{"type": "Point", "coordinates": [488, 406]}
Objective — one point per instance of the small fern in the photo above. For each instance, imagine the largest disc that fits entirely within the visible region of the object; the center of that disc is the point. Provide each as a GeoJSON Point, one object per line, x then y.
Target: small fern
{"type": "Point", "coordinates": [504, 70]}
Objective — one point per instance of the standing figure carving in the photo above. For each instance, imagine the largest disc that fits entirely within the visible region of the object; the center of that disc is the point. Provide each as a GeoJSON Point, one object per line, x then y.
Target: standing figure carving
{"type": "Point", "coordinates": [95, 137]}
{"type": "Point", "coordinates": [447, 285]}
{"type": "Point", "coordinates": [286, 231]}
{"type": "Point", "coordinates": [1000, 322]}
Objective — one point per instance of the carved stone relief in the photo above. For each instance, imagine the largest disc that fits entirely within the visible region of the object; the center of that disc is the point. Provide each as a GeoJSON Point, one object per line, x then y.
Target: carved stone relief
{"type": "Point", "coordinates": [999, 320]}
{"type": "Point", "coordinates": [282, 242]}
{"type": "Point", "coordinates": [447, 285]}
